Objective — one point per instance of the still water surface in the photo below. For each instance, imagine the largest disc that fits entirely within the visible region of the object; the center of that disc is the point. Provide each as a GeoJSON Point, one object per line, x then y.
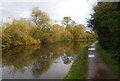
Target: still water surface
{"type": "Point", "coordinates": [51, 61]}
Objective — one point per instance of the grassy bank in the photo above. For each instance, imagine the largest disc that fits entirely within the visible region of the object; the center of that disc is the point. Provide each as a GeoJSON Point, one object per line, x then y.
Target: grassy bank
{"type": "Point", "coordinates": [78, 68]}
{"type": "Point", "coordinates": [110, 61]}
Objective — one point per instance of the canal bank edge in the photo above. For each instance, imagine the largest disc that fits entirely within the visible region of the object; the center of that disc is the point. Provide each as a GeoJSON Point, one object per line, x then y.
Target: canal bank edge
{"type": "Point", "coordinates": [78, 68]}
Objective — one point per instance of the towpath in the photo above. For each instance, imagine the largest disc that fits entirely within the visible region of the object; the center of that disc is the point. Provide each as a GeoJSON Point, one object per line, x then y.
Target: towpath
{"type": "Point", "coordinates": [97, 68]}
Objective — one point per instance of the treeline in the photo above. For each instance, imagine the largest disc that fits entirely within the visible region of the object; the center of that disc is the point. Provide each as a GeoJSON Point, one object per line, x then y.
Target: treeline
{"type": "Point", "coordinates": [105, 21]}
{"type": "Point", "coordinates": [39, 29]}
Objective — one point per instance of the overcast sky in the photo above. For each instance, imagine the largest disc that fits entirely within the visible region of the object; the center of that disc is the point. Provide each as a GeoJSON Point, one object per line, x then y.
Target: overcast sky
{"type": "Point", "coordinates": [78, 10]}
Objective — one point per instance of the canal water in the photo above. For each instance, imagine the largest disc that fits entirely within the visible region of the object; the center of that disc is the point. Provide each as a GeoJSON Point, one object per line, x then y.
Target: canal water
{"type": "Point", "coordinates": [50, 61]}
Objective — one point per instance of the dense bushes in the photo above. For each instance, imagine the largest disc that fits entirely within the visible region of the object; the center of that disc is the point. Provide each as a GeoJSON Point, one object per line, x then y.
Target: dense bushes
{"type": "Point", "coordinates": [105, 21]}
{"type": "Point", "coordinates": [18, 33]}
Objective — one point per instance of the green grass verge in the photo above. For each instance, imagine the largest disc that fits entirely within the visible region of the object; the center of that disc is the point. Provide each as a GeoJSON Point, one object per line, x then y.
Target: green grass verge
{"type": "Point", "coordinates": [78, 68]}
{"type": "Point", "coordinates": [110, 61]}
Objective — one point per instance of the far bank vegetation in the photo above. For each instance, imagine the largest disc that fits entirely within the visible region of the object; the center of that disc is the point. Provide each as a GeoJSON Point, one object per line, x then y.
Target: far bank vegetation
{"type": "Point", "coordinates": [39, 29]}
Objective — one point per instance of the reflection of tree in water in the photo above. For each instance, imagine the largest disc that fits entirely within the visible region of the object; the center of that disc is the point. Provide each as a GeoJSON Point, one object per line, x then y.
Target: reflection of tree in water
{"type": "Point", "coordinates": [18, 57]}
{"type": "Point", "coordinates": [67, 59]}
{"type": "Point", "coordinates": [40, 66]}
{"type": "Point", "coordinates": [68, 51]}
{"type": "Point", "coordinates": [45, 57]}
{"type": "Point", "coordinates": [39, 59]}
{"type": "Point", "coordinates": [77, 46]}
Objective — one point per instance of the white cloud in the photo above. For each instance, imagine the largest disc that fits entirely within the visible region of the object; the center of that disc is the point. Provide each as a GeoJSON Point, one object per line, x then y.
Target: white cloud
{"type": "Point", "coordinates": [78, 10]}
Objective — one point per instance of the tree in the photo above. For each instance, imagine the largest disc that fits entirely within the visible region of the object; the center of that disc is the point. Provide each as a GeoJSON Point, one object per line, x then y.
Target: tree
{"type": "Point", "coordinates": [6, 37]}
{"type": "Point", "coordinates": [67, 36]}
{"type": "Point", "coordinates": [73, 23]}
{"type": "Point", "coordinates": [77, 31]}
{"type": "Point", "coordinates": [66, 21]}
{"type": "Point", "coordinates": [40, 18]}
{"type": "Point", "coordinates": [18, 33]}
{"type": "Point", "coordinates": [105, 21]}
